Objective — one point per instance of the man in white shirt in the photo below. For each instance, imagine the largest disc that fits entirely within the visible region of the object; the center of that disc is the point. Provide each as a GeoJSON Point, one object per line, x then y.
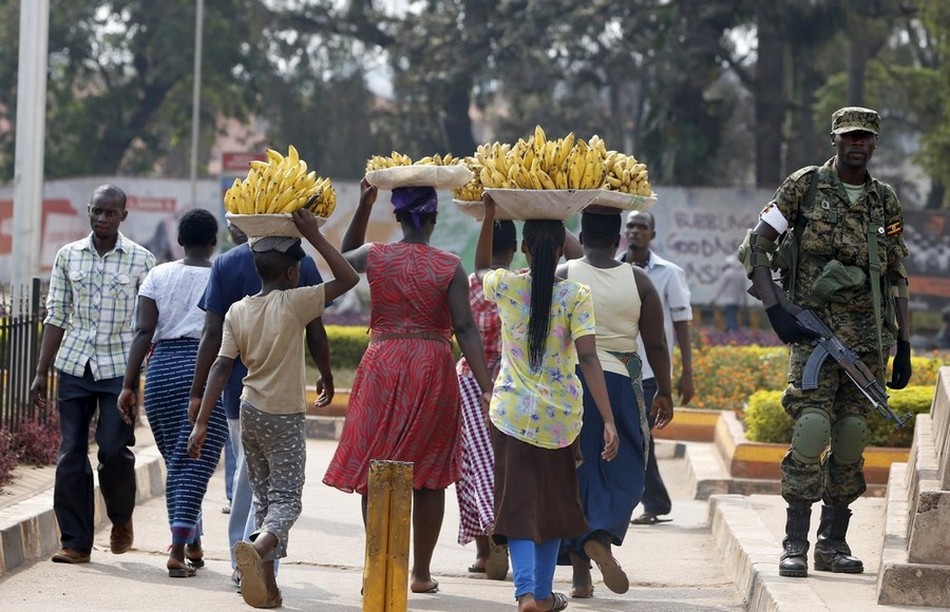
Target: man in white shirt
{"type": "Point", "coordinates": [670, 282]}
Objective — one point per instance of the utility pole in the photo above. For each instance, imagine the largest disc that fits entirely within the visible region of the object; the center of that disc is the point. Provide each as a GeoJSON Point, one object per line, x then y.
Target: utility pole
{"type": "Point", "coordinates": [196, 100]}
{"type": "Point", "coordinates": [30, 145]}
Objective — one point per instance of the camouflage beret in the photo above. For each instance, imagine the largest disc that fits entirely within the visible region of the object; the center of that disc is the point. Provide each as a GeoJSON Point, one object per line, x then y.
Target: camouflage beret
{"type": "Point", "coordinates": [855, 119]}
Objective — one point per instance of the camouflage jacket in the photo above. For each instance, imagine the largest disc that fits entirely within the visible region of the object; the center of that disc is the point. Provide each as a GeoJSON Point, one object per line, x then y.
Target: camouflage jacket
{"type": "Point", "coordinates": [838, 229]}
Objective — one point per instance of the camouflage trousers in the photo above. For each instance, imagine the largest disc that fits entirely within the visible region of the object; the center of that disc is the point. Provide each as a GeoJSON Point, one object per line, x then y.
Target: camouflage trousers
{"type": "Point", "coordinates": [834, 483]}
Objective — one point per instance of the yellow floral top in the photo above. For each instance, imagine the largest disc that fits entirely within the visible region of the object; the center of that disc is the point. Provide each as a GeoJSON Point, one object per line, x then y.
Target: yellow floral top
{"type": "Point", "coordinates": [544, 407]}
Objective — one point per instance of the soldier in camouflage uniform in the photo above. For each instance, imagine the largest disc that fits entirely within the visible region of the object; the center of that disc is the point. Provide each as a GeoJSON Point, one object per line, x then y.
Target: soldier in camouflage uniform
{"type": "Point", "coordinates": [835, 234]}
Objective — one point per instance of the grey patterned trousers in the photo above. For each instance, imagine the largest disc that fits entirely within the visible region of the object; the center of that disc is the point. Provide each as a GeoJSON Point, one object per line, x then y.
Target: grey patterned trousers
{"type": "Point", "coordinates": [275, 451]}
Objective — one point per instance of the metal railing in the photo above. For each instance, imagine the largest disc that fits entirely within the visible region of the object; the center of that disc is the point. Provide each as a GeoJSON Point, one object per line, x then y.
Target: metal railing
{"type": "Point", "coordinates": [20, 335]}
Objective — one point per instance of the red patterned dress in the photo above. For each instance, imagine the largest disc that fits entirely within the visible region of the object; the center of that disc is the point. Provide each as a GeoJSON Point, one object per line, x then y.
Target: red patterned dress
{"type": "Point", "coordinates": [404, 404]}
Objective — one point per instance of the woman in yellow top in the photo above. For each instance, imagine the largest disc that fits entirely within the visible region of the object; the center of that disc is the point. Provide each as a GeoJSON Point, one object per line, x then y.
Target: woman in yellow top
{"type": "Point", "coordinates": [547, 326]}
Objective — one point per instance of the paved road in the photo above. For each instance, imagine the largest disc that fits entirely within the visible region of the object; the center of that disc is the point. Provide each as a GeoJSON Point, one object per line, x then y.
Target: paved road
{"type": "Point", "coordinates": [673, 566]}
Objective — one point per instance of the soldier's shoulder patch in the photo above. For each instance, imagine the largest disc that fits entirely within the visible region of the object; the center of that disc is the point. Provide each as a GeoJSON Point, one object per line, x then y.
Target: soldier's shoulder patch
{"type": "Point", "coordinates": [798, 174]}
{"type": "Point", "coordinates": [894, 229]}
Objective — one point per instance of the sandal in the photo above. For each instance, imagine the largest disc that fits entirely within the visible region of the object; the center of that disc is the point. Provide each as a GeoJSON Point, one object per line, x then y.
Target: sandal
{"type": "Point", "coordinates": [648, 518]}
{"type": "Point", "coordinates": [253, 587]}
{"type": "Point", "coordinates": [180, 571]}
{"type": "Point", "coordinates": [475, 568]}
{"type": "Point", "coordinates": [614, 576]}
{"type": "Point", "coordinates": [496, 566]}
{"type": "Point", "coordinates": [558, 602]}
{"type": "Point", "coordinates": [194, 554]}
{"type": "Point", "coordinates": [582, 593]}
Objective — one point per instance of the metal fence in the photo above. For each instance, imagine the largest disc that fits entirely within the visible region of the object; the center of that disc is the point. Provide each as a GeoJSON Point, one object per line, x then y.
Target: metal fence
{"type": "Point", "coordinates": [20, 335]}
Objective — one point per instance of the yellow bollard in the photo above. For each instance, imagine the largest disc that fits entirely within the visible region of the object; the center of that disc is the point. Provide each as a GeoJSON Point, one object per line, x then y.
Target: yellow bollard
{"type": "Point", "coordinates": [388, 513]}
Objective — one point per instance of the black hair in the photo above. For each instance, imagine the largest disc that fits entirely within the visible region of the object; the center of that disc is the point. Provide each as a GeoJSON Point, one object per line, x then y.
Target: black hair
{"type": "Point", "coordinates": [271, 264]}
{"type": "Point", "coordinates": [600, 231]}
{"type": "Point", "coordinates": [504, 237]}
{"type": "Point", "coordinates": [197, 228]}
{"type": "Point", "coordinates": [543, 238]}
{"type": "Point", "coordinates": [109, 193]}
{"type": "Point", "coordinates": [651, 219]}
{"type": "Point", "coordinates": [405, 217]}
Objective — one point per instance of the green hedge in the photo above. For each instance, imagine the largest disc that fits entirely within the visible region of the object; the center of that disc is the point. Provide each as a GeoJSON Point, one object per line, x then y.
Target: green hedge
{"type": "Point", "coordinates": [348, 343]}
{"type": "Point", "coordinates": [766, 421]}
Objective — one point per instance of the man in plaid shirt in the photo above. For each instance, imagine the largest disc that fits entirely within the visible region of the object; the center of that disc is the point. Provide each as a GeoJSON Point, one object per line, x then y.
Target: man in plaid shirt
{"type": "Point", "coordinates": [88, 328]}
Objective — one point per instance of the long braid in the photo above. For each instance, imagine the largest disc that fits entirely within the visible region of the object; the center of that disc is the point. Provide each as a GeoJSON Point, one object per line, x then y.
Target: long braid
{"type": "Point", "coordinates": [543, 238]}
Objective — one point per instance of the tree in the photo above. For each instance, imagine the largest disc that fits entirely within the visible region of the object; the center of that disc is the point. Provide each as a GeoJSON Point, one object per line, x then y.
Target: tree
{"type": "Point", "coordinates": [120, 79]}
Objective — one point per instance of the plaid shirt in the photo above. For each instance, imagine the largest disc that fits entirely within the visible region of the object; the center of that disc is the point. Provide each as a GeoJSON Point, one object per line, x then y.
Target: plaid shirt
{"type": "Point", "coordinates": [489, 326]}
{"type": "Point", "coordinates": [93, 298]}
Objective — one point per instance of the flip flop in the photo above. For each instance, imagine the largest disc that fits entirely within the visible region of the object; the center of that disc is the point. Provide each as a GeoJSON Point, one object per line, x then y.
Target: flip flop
{"type": "Point", "coordinates": [196, 559]}
{"type": "Point", "coordinates": [476, 569]}
{"type": "Point", "coordinates": [614, 576]}
{"type": "Point", "coordinates": [253, 587]}
{"type": "Point", "coordinates": [648, 518]}
{"type": "Point", "coordinates": [181, 572]}
{"type": "Point", "coordinates": [559, 602]}
{"type": "Point", "coordinates": [432, 589]}
{"type": "Point", "coordinates": [577, 593]}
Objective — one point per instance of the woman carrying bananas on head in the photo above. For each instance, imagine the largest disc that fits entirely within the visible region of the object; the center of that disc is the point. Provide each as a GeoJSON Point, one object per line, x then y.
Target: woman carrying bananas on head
{"type": "Point", "coordinates": [404, 404]}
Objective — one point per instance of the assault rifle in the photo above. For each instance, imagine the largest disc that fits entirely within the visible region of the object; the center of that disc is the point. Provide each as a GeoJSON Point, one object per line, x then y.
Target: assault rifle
{"type": "Point", "coordinates": [828, 344]}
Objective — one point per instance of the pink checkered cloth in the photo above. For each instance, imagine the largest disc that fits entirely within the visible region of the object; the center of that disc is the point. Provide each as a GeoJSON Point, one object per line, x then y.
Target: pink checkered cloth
{"type": "Point", "coordinates": [476, 484]}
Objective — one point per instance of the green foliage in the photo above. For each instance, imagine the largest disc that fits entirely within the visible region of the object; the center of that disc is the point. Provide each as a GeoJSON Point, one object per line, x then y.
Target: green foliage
{"type": "Point", "coordinates": [347, 345]}
{"type": "Point", "coordinates": [349, 342]}
{"type": "Point", "coordinates": [766, 421]}
{"type": "Point", "coordinates": [764, 418]}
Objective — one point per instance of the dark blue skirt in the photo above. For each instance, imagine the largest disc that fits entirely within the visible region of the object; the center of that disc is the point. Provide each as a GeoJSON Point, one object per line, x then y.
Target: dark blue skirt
{"type": "Point", "coordinates": [609, 490]}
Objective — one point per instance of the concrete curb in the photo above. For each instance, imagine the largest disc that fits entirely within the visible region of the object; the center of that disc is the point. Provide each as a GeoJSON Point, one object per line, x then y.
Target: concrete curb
{"type": "Point", "coordinates": [28, 529]}
{"type": "Point", "coordinates": [748, 549]}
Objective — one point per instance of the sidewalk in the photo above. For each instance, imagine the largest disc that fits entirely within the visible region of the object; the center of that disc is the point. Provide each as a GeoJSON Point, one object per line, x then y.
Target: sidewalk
{"type": "Point", "coordinates": [719, 554]}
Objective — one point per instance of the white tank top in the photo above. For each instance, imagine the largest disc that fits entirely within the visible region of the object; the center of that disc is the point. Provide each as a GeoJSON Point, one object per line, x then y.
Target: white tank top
{"type": "Point", "coordinates": [616, 309]}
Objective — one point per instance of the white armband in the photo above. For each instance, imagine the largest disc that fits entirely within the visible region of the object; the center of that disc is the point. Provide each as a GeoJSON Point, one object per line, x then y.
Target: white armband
{"type": "Point", "coordinates": [771, 215]}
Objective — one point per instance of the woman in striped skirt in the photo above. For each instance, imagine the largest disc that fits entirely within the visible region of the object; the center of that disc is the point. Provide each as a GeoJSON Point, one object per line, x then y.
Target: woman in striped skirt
{"type": "Point", "coordinates": [476, 485]}
{"type": "Point", "coordinates": [170, 322]}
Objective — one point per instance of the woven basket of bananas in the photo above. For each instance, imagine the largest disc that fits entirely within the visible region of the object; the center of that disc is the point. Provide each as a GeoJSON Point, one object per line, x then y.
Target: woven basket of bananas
{"type": "Point", "coordinates": [398, 170]}
{"type": "Point", "coordinates": [258, 226]}
{"type": "Point", "coordinates": [626, 185]}
{"type": "Point", "coordinates": [476, 210]}
{"type": "Point", "coordinates": [624, 201]}
{"type": "Point", "coordinates": [261, 204]}
{"type": "Point", "coordinates": [524, 204]}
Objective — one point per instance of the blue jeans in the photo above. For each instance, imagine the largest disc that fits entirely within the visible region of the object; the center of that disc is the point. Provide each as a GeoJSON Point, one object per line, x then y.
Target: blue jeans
{"type": "Point", "coordinates": [230, 463]}
{"type": "Point", "coordinates": [532, 566]}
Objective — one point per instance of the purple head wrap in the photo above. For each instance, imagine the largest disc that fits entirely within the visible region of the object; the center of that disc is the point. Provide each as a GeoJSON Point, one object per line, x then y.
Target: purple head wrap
{"type": "Point", "coordinates": [415, 200]}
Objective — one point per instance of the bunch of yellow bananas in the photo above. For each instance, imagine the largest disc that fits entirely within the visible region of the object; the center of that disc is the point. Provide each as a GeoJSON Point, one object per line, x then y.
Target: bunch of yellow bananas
{"type": "Point", "coordinates": [472, 190]}
{"type": "Point", "coordinates": [280, 185]}
{"type": "Point", "coordinates": [438, 160]}
{"type": "Point", "coordinates": [539, 163]}
{"type": "Point", "coordinates": [378, 162]}
{"type": "Point", "coordinates": [626, 175]}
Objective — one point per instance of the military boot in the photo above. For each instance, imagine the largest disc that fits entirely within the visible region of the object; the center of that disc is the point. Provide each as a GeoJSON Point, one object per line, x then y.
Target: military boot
{"type": "Point", "coordinates": [794, 559]}
{"type": "Point", "coordinates": [832, 553]}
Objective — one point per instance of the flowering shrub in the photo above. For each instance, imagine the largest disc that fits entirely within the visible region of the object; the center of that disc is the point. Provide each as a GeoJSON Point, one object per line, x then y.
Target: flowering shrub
{"type": "Point", "coordinates": [7, 456]}
{"type": "Point", "coordinates": [37, 440]}
{"type": "Point", "coordinates": [725, 376]}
